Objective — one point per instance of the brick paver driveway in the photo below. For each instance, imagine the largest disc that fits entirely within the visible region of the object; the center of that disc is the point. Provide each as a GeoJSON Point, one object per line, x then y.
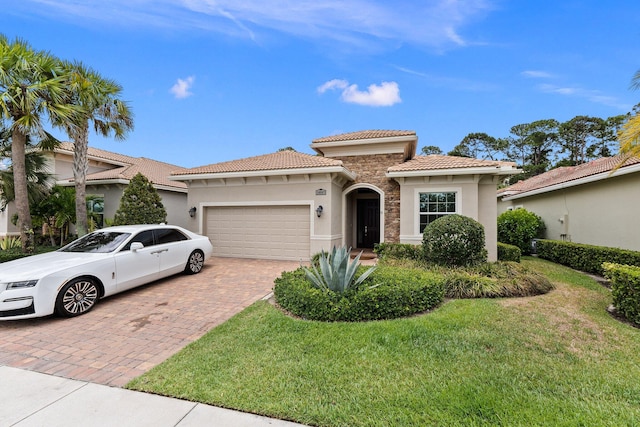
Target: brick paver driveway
{"type": "Point", "coordinates": [127, 334]}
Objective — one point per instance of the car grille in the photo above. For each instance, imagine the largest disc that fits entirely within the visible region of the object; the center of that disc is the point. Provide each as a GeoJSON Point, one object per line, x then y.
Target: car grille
{"type": "Point", "coordinates": [19, 311]}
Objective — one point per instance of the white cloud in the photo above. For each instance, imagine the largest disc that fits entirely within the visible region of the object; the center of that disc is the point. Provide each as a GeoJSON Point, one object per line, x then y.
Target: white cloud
{"type": "Point", "coordinates": [384, 95]}
{"type": "Point", "coordinates": [333, 84]}
{"type": "Point", "coordinates": [536, 74]}
{"type": "Point", "coordinates": [352, 23]}
{"type": "Point", "coordinates": [590, 95]}
{"type": "Point", "coordinates": [182, 87]}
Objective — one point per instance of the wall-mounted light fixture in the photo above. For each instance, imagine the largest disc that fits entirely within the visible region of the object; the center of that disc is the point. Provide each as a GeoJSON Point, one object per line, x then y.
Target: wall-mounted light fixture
{"type": "Point", "coordinates": [319, 210]}
{"type": "Point", "coordinates": [192, 212]}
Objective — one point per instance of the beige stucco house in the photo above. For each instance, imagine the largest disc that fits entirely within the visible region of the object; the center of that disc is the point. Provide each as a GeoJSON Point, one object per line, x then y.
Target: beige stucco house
{"type": "Point", "coordinates": [108, 176]}
{"type": "Point", "coordinates": [591, 203]}
{"type": "Point", "coordinates": [360, 189]}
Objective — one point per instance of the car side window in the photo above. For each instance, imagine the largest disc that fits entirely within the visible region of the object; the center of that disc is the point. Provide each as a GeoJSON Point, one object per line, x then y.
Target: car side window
{"type": "Point", "coordinates": [144, 237]}
{"type": "Point", "coordinates": [169, 235]}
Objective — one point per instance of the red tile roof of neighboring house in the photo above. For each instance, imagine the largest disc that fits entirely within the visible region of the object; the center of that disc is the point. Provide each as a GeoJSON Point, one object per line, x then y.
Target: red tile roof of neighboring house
{"type": "Point", "coordinates": [156, 172]}
{"type": "Point", "coordinates": [365, 134]}
{"type": "Point", "coordinates": [435, 162]}
{"type": "Point", "coordinates": [567, 174]}
{"type": "Point", "coordinates": [280, 160]}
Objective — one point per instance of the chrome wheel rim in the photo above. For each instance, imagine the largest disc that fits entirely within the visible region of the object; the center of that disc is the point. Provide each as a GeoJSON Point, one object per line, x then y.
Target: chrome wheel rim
{"type": "Point", "coordinates": [196, 261]}
{"type": "Point", "coordinates": [79, 297]}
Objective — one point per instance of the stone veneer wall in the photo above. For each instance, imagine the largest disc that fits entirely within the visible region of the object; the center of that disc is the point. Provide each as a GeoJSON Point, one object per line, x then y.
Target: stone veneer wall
{"type": "Point", "coordinates": [370, 169]}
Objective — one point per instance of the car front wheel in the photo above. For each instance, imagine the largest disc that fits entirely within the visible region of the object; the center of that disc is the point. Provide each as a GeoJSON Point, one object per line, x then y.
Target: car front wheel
{"type": "Point", "coordinates": [77, 297]}
{"type": "Point", "coordinates": [195, 262]}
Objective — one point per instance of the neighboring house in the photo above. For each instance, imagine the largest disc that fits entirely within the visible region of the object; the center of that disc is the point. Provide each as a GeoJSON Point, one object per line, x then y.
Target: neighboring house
{"type": "Point", "coordinates": [361, 189]}
{"type": "Point", "coordinates": [584, 204]}
{"type": "Point", "coordinates": [108, 176]}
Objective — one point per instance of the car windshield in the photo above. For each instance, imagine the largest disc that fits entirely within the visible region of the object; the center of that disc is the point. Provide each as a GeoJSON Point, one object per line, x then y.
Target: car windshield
{"type": "Point", "coordinates": [97, 242]}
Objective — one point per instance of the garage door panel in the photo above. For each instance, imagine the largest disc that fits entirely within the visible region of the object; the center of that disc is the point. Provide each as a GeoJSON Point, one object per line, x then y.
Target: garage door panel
{"type": "Point", "coordinates": [269, 232]}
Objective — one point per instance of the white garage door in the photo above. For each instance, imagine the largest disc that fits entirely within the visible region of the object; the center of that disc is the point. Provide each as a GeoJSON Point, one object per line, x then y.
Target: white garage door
{"type": "Point", "coordinates": [266, 232]}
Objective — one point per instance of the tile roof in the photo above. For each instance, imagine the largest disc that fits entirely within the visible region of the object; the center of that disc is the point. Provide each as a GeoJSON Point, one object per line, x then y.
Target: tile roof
{"type": "Point", "coordinates": [365, 134]}
{"type": "Point", "coordinates": [280, 160]}
{"type": "Point", "coordinates": [156, 172]}
{"type": "Point", "coordinates": [567, 174]}
{"type": "Point", "coordinates": [436, 161]}
{"type": "Point", "coordinates": [103, 154]}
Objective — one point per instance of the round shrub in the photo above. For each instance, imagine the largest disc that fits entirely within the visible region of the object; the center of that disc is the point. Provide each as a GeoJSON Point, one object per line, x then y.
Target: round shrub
{"type": "Point", "coordinates": [454, 240]}
{"type": "Point", "coordinates": [518, 227]}
{"type": "Point", "coordinates": [387, 294]}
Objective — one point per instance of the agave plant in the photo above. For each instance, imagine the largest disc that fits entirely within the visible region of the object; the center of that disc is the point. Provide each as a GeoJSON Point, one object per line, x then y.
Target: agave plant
{"type": "Point", "coordinates": [337, 272]}
{"type": "Point", "coordinates": [10, 242]}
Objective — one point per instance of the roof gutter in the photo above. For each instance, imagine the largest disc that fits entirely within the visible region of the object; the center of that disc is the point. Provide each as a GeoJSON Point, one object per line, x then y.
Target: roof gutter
{"type": "Point", "coordinates": [270, 172]}
{"type": "Point", "coordinates": [120, 181]}
{"type": "Point", "coordinates": [454, 171]}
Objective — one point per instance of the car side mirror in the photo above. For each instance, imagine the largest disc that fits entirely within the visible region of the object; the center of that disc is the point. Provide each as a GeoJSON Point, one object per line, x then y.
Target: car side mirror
{"type": "Point", "coordinates": [136, 245]}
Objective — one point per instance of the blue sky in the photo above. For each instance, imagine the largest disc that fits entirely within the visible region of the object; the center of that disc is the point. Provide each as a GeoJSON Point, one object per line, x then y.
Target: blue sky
{"type": "Point", "coordinates": [216, 80]}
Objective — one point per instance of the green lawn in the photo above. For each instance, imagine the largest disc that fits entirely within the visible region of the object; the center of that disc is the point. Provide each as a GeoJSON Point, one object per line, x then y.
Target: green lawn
{"type": "Point", "coordinates": [557, 359]}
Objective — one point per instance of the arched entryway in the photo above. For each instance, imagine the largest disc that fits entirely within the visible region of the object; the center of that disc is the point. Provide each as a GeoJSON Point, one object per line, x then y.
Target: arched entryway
{"type": "Point", "coordinates": [363, 216]}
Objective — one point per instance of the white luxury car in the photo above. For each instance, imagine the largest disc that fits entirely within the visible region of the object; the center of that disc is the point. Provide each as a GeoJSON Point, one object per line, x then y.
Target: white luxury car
{"type": "Point", "coordinates": [70, 281]}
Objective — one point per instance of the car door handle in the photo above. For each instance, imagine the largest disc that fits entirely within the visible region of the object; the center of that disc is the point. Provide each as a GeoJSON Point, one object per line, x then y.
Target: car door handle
{"type": "Point", "coordinates": [160, 251]}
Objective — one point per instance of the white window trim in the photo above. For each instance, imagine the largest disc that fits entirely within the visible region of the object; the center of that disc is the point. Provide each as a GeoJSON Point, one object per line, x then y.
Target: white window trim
{"type": "Point", "coordinates": [416, 198]}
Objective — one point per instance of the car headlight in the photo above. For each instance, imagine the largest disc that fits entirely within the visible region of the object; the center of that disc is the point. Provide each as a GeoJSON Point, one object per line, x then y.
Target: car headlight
{"type": "Point", "coordinates": [22, 284]}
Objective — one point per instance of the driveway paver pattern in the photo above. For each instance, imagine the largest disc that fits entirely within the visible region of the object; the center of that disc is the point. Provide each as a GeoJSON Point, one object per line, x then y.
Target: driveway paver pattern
{"type": "Point", "coordinates": [127, 334]}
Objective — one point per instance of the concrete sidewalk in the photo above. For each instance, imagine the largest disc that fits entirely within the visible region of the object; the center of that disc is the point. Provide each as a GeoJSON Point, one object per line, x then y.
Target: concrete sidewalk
{"type": "Point", "coordinates": [30, 399]}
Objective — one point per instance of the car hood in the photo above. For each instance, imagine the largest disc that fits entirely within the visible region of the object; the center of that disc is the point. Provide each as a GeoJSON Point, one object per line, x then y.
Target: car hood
{"type": "Point", "coordinates": [38, 266]}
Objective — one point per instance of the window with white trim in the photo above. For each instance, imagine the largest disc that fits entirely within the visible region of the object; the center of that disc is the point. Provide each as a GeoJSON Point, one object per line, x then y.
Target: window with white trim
{"type": "Point", "coordinates": [436, 205]}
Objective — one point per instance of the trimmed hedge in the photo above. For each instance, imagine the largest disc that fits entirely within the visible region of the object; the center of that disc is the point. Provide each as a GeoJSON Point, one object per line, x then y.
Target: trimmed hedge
{"type": "Point", "coordinates": [388, 293]}
{"type": "Point", "coordinates": [625, 289]}
{"type": "Point", "coordinates": [508, 252]}
{"type": "Point", "coordinates": [583, 257]}
{"type": "Point", "coordinates": [399, 251]}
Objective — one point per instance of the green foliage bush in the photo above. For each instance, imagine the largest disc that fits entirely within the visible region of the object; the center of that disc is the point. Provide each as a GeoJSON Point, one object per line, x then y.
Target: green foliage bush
{"type": "Point", "coordinates": [518, 227]}
{"type": "Point", "coordinates": [508, 252]}
{"type": "Point", "coordinates": [454, 240]}
{"type": "Point", "coordinates": [140, 204]}
{"type": "Point", "coordinates": [583, 257]}
{"type": "Point", "coordinates": [493, 280]}
{"type": "Point", "coordinates": [399, 251]}
{"type": "Point", "coordinates": [625, 289]}
{"type": "Point", "coordinates": [16, 253]}
{"type": "Point", "coordinates": [388, 293]}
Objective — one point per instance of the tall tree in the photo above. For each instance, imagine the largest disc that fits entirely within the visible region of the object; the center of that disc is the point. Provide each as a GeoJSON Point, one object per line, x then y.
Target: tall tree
{"type": "Point", "coordinates": [431, 149]}
{"type": "Point", "coordinates": [100, 106]}
{"type": "Point", "coordinates": [479, 145]}
{"type": "Point", "coordinates": [38, 178]}
{"type": "Point", "coordinates": [575, 137]}
{"type": "Point", "coordinates": [32, 85]}
{"type": "Point", "coordinates": [531, 144]}
{"type": "Point", "coordinates": [606, 135]}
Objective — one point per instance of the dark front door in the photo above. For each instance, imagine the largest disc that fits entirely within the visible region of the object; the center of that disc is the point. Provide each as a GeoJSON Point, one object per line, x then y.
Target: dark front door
{"type": "Point", "coordinates": [368, 222]}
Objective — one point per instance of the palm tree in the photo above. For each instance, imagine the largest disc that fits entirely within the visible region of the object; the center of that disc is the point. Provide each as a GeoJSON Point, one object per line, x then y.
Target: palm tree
{"type": "Point", "coordinates": [32, 84]}
{"type": "Point", "coordinates": [38, 179]}
{"type": "Point", "coordinates": [99, 105]}
{"type": "Point", "coordinates": [629, 136]}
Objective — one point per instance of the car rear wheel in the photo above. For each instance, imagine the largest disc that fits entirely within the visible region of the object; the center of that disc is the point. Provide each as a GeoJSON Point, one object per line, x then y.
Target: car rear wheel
{"type": "Point", "coordinates": [77, 297]}
{"type": "Point", "coordinates": [195, 262]}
